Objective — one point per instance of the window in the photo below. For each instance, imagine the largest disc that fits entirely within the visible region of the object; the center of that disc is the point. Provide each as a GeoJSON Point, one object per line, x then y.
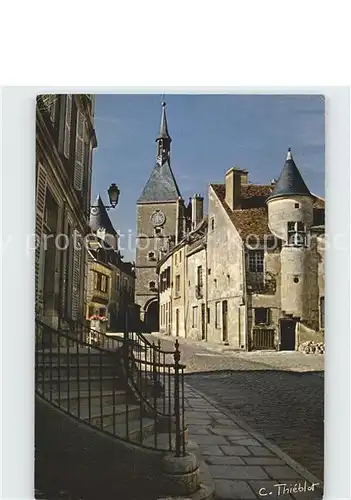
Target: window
{"type": "Point", "coordinates": [297, 205]}
{"type": "Point", "coordinates": [102, 311]}
{"type": "Point", "coordinates": [296, 234]}
{"type": "Point", "coordinates": [195, 314]}
{"type": "Point", "coordinates": [199, 276]}
{"type": "Point", "coordinates": [209, 271]}
{"type": "Point", "coordinates": [175, 259]}
{"type": "Point", "coordinates": [152, 285]}
{"type": "Point", "coordinates": [322, 312]}
{"type": "Point", "coordinates": [261, 316]}
{"type": "Point", "coordinates": [158, 230]}
{"type": "Point", "coordinates": [118, 282]}
{"type": "Point", "coordinates": [208, 315]}
{"type": "Point", "coordinates": [151, 256]}
{"type": "Point", "coordinates": [91, 311]}
{"type": "Point", "coordinates": [256, 258]}
{"type": "Point", "coordinates": [103, 283]}
{"type": "Point", "coordinates": [218, 314]}
{"type": "Point", "coordinates": [177, 284]}
{"type": "Point", "coordinates": [212, 223]}
{"type": "Point", "coordinates": [180, 257]}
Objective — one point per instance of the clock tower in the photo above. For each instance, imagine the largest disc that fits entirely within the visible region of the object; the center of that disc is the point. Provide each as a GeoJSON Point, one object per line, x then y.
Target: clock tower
{"type": "Point", "coordinates": [160, 214]}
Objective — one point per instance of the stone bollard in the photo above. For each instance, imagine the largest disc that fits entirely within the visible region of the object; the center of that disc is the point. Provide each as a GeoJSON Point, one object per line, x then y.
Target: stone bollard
{"type": "Point", "coordinates": [181, 474]}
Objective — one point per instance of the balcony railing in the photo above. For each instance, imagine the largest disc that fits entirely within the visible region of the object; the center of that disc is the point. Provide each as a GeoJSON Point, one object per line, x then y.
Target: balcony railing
{"type": "Point", "coordinates": [264, 283]}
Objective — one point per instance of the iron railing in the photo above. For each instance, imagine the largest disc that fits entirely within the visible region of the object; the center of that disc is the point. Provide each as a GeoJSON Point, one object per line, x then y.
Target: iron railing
{"type": "Point", "coordinates": [125, 386]}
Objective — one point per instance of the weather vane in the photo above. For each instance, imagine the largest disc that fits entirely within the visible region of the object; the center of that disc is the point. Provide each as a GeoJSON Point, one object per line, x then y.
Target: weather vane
{"type": "Point", "coordinates": [163, 98]}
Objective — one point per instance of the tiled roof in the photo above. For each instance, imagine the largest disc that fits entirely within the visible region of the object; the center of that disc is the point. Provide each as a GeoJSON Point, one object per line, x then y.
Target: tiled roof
{"type": "Point", "coordinates": [253, 217]}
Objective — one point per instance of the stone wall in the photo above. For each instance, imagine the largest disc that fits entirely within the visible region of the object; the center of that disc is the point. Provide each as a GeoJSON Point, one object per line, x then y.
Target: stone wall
{"type": "Point", "coordinates": [148, 241]}
{"type": "Point", "coordinates": [225, 262]}
{"type": "Point", "coordinates": [195, 324]}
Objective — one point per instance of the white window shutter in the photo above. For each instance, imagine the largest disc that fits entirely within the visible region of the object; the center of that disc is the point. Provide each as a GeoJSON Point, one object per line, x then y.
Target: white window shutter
{"type": "Point", "coordinates": [68, 119]}
{"type": "Point", "coordinates": [76, 275]}
{"type": "Point", "coordinates": [39, 220]}
{"type": "Point", "coordinates": [79, 153]}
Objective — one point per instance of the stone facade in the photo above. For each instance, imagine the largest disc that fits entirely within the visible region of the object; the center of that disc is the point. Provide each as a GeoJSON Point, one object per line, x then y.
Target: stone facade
{"type": "Point", "coordinates": [65, 139]}
{"type": "Point", "coordinates": [262, 265]}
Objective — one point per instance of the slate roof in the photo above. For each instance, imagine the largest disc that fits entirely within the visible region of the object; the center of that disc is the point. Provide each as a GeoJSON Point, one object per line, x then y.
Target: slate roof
{"type": "Point", "coordinates": [252, 218]}
{"type": "Point", "coordinates": [99, 217]}
{"type": "Point", "coordinates": [161, 185]}
{"type": "Point", "coordinates": [163, 127]}
{"type": "Point", "coordinates": [290, 181]}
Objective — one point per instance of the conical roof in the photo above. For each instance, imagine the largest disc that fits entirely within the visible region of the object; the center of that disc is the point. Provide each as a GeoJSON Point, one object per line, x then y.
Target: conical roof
{"type": "Point", "coordinates": [99, 217]}
{"type": "Point", "coordinates": [290, 181]}
{"type": "Point", "coordinates": [161, 185]}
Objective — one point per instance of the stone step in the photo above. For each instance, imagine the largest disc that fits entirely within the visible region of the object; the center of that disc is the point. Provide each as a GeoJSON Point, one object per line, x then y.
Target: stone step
{"type": "Point", "coordinates": [138, 430]}
{"type": "Point", "coordinates": [52, 384]}
{"type": "Point", "coordinates": [83, 369]}
{"type": "Point", "coordinates": [110, 414]}
{"type": "Point", "coordinates": [108, 396]}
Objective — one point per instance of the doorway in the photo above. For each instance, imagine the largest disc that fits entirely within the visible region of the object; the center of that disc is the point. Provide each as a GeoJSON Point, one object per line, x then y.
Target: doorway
{"type": "Point", "coordinates": [287, 334]}
{"type": "Point", "coordinates": [151, 317]}
{"type": "Point", "coordinates": [225, 321]}
{"type": "Point", "coordinates": [203, 321]}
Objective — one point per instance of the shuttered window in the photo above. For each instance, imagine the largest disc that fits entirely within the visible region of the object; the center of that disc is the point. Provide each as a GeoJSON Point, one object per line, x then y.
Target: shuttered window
{"type": "Point", "coordinates": [76, 275]}
{"type": "Point", "coordinates": [52, 107]}
{"type": "Point", "coordinates": [79, 153]}
{"type": "Point", "coordinates": [39, 220]}
{"type": "Point", "coordinates": [68, 120]}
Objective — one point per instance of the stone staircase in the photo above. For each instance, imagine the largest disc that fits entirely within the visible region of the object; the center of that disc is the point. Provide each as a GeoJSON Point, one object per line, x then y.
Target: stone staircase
{"type": "Point", "coordinates": [105, 426]}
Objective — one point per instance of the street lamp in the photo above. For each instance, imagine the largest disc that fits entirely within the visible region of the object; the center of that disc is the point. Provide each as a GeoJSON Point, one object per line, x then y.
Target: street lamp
{"type": "Point", "coordinates": [113, 194]}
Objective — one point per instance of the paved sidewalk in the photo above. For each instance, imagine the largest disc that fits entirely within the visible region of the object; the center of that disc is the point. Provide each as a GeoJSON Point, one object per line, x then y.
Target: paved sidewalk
{"type": "Point", "coordinates": [243, 464]}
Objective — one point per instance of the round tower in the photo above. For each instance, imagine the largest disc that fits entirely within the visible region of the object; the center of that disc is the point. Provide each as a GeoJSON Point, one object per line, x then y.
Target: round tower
{"type": "Point", "coordinates": [290, 216]}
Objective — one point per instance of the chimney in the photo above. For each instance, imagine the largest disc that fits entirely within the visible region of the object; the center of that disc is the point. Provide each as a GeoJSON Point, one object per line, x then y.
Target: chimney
{"type": "Point", "coordinates": [244, 177]}
{"type": "Point", "coordinates": [197, 210]}
{"type": "Point", "coordinates": [233, 180]}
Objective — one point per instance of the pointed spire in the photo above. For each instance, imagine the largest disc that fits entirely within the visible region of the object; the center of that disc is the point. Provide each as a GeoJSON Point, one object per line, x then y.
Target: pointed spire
{"type": "Point", "coordinates": [99, 217]}
{"type": "Point", "coordinates": [163, 127]}
{"type": "Point", "coordinates": [290, 181]}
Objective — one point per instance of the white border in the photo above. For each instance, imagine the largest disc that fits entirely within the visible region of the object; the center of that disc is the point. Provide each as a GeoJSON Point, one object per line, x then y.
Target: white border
{"type": "Point", "coordinates": [18, 108]}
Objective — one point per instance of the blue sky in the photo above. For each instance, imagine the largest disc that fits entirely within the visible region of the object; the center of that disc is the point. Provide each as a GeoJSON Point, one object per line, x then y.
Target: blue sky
{"type": "Point", "coordinates": [210, 134]}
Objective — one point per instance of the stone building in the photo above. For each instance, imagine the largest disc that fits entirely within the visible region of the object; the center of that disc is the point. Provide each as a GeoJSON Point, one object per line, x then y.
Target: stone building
{"type": "Point", "coordinates": [253, 269]}
{"type": "Point", "coordinates": [111, 281]}
{"type": "Point", "coordinates": [65, 139]}
{"type": "Point", "coordinates": [161, 216]}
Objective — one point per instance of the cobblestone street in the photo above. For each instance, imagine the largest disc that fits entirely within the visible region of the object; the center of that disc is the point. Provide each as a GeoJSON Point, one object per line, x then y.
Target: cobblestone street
{"type": "Point", "coordinates": [285, 406]}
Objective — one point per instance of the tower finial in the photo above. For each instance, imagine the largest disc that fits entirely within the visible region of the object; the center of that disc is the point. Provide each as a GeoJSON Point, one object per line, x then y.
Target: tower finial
{"type": "Point", "coordinates": [289, 155]}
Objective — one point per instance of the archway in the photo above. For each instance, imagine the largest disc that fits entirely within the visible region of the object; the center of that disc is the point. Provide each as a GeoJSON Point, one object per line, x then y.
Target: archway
{"type": "Point", "coordinates": [151, 316]}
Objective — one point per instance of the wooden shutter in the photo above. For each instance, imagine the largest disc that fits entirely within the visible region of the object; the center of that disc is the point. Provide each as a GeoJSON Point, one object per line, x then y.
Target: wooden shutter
{"type": "Point", "coordinates": [39, 220]}
{"type": "Point", "coordinates": [52, 107]}
{"type": "Point", "coordinates": [87, 188]}
{"type": "Point", "coordinates": [76, 275]}
{"type": "Point", "coordinates": [67, 132]}
{"type": "Point", "coordinates": [79, 153]}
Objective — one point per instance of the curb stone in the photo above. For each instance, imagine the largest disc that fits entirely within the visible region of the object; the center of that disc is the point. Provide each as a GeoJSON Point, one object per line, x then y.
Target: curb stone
{"type": "Point", "coordinates": [299, 469]}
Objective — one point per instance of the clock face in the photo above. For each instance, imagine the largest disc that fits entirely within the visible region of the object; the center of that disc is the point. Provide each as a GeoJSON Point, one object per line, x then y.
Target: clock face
{"type": "Point", "coordinates": [158, 218]}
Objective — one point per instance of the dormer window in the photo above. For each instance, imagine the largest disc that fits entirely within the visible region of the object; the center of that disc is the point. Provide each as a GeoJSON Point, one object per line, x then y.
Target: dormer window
{"type": "Point", "coordinates": [152, 285]}
{"type": "Point", "coordinates": [297, 235]}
